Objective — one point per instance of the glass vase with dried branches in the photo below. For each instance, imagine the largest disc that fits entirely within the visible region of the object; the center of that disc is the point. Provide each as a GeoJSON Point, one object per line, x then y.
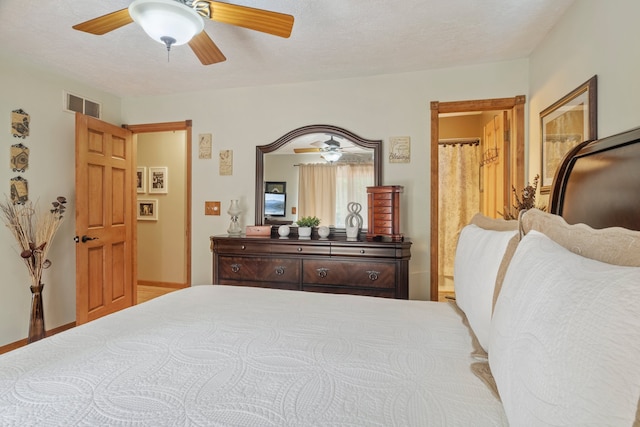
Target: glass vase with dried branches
{"type": "Point", "coordinates": [34, 232]}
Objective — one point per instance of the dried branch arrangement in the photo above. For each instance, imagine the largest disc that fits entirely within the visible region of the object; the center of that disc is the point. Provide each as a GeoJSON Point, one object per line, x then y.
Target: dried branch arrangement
{"type": "Point", "coordinates": [34, 232]}
{"type": "Point", "coordinates": [526, 202]}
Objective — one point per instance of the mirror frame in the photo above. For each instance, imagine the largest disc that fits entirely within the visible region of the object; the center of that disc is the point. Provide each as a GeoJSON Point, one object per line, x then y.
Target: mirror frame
{"type": "Point", "coordinates": [261, 150]}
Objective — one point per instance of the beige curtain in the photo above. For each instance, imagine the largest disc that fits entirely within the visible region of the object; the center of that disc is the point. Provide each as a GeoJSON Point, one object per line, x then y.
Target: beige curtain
{"type": "Point", "coordinates": [352, 182]}
{"type": "Point", "coordinates": [317, 192]}
{"type": "Point", "coordinates": [459, 200]}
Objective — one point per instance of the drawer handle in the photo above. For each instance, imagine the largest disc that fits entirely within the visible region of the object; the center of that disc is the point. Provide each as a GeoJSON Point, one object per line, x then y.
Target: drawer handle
{"type": "Point", "coordinates": [243, 247]}
{"type": "Point", "coordinates": [279, 270]}
{"type": "Point", "coordinates": [235, 267]}
{"type": "Point", "coordinates": [299, 249]}
{"type": "Point", "coordinates": [322, 272]}
{"type": "Point", "coordinates": [361, 251]}
{"type": "Point", "coordinates": [373, 275]}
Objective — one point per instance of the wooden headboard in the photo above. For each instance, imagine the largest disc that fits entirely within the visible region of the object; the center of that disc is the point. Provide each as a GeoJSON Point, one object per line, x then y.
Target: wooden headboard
{"type": "Point", "coordinates": [598, 183]}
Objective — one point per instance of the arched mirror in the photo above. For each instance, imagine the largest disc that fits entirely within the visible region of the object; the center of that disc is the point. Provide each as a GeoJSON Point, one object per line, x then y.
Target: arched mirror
{"type": "Point", "coordinates": [315, 170]}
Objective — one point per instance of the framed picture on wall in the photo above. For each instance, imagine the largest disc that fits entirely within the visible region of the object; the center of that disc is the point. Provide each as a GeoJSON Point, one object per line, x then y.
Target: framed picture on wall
{"type": "Point", "coordinates": [565, 124]}
{"type": "Point", "coordinates": [275, 187]}
{"type": "Point", "coordinates": [147, 210]}
{"type": "Point", "coordinates": [158, 180]}
{"type": "Point", "coordinates": [141, 179]}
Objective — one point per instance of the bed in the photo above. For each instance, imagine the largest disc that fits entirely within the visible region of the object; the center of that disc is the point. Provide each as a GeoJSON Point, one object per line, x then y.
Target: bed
{"type": "Point", "coordinates": [516, 349]}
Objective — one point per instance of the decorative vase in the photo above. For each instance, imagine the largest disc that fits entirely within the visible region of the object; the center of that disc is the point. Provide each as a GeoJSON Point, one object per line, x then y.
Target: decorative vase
{"type": "Point", "coordinates": [353, 221]}
{"type": "Point", "coordinates": [36, 321]}
{"type": "Point", "coordinates": [352, 233]}
{"type": "Point", "coordinates": [234, 211]}
{"type": "Point", "coordinates": [284, 231]}
{"type": "Point", "coordinates": [324, 231]}
{"type": "Point", "coordinates": [304, 233]}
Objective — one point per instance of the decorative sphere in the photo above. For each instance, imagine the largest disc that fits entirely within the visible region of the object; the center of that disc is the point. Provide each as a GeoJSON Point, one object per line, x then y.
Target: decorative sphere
{"type": "Point", "coordinates": [324, 231]}
{"type": "Point", "coordinates": [284, 230]}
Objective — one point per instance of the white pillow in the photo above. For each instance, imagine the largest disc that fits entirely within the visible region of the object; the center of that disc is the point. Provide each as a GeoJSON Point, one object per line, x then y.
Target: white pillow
{"type": "Point", "coordinates": [478, 257]}
{"type": "Point", "coordinates": [565, 338]}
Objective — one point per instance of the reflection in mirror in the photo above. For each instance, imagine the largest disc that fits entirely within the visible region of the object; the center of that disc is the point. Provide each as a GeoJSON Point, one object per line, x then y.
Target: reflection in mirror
{"type": "Point", "coordinates": [324, 167]}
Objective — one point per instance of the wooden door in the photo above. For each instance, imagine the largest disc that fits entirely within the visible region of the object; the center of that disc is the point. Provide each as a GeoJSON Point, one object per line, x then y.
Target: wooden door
{"type": "Point", "coordinates": [494, 169]}
{"type": "Point", "coordinates": [105, 166]}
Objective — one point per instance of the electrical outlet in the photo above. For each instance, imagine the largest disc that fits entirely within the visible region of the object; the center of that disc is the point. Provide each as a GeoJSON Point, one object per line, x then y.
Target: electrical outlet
{"type": "Point", "coordinates": [212, 208]}
{"type": "Point", "coordinates": [293, 210]}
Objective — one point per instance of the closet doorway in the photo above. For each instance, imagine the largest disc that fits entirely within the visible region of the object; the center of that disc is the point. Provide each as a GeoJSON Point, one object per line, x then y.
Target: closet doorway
{"type": "Point", "coordinates": [477, 155]}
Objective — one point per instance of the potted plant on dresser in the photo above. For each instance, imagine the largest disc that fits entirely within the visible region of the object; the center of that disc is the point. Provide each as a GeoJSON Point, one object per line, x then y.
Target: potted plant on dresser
{"type": "Point", "coordinates": [304, 226]}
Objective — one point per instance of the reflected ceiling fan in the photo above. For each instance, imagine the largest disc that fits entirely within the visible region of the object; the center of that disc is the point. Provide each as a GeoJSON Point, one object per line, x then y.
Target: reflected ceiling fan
{"type": "Point", "coordinates": [176, 22]}
{"type": "Point", "coordinates": [329, 149]}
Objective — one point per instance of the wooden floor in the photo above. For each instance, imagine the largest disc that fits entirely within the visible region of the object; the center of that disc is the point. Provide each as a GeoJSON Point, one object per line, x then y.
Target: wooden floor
{"type": "Point", "coordinates": [145, 293]}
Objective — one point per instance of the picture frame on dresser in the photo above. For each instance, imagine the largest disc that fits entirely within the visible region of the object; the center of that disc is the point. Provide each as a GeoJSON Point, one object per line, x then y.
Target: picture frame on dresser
{"type": "Point", "coordinates": [566, 123]}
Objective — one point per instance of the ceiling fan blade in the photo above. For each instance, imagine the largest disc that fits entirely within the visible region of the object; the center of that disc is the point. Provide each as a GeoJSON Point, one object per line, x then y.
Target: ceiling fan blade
{"type": "Point", "coordinates": [278, 24]}
{"type": "Point", "coordinates": [206, 50]}
{"type": "Point", "coordinates": [306, 150]}
{"type": "Point", "coordinates": [105, 23]}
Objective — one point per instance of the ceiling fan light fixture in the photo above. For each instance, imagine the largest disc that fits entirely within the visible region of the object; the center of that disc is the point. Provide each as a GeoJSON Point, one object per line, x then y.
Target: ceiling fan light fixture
{"type": "Point", "coordinates": [166, 20]}
{"type": "Point", "coordinates": [332, 156]}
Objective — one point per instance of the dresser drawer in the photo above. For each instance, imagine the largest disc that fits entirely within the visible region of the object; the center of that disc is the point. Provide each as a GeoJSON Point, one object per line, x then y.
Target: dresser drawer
{"type": "Point", "coordinates": [240, 247]}
{"type": "Point", "coordinates": [381, 223]}
{"type": "Point", "coordinates": [301, 249]}
{"type": "Point", "coordinates": [383, 210]}
{"type": "Point", "coordinates": [386, 195]}
{"type": "Point", "coordinates": [382, 202]}
{"type": "Point", "coordinates": [363, 251]}
{"type": "Point", "coordinates": [259, 269]}
{"type": "Point", "coordinates": [349, 274]}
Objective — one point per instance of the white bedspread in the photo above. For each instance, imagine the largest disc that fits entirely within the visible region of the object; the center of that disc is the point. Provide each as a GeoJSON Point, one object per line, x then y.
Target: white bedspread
{"type": "Point", "coordinates": [218, 355]}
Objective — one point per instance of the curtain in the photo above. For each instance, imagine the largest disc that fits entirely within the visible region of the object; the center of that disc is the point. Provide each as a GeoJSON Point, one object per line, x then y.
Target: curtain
{"type": "Point", "coordinates": [317, 192]}
{"type": "Point", "coordinates": [352, 181]}
{"type": "Point", "coordinates": [459, 200]}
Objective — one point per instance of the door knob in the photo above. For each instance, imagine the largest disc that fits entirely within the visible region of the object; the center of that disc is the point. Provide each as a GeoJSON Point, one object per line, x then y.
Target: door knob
{"type": "Point", "coordinates": [84, 239]}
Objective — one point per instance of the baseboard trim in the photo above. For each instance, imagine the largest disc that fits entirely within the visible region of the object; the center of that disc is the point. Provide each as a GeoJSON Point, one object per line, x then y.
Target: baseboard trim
{"type": "Point", "coordinates": [172, 285]}
{"type": "Point", "coordinates": [12, 346]}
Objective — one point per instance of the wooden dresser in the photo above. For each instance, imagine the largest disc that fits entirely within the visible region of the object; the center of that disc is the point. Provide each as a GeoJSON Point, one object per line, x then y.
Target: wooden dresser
{"type": "Point", "coordinates": [335, 265]}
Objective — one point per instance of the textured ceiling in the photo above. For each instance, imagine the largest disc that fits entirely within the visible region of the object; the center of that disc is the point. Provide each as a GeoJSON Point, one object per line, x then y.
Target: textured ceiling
{"type": "Point", "coordinates": [331, 39]}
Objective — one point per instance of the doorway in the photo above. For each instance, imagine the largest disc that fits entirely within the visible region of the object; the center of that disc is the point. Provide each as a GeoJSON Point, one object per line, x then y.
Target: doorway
{"type": "Point", "coordinates": [164, 238]}
{"type": "Point", "coordinates": [512, 164]}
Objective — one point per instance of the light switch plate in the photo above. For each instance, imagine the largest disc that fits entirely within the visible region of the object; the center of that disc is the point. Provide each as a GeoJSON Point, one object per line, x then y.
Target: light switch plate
{"type": "Point", "coordinates": [212, 208]}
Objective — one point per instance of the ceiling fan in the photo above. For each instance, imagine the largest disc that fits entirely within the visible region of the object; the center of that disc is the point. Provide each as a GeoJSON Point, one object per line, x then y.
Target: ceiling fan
{"type": "Point", "coordinates": [320, 147]}
{"type": "Point", "coordinates": [176, 22]}
{"type": "Point", "coordinates": [330, 149]}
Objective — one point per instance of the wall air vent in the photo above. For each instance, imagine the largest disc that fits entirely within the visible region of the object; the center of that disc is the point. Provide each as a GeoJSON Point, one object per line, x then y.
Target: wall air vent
{"type": "Point", "coordinates": [74, 103]}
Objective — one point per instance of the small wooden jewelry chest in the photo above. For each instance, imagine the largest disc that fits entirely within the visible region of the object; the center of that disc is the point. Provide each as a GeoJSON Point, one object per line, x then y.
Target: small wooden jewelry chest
{"type": "Point", "coordinates": [384, 213]}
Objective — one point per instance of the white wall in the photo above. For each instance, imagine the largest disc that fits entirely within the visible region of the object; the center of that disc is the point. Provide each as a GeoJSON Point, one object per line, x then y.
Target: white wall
{"type": "Point", "coordinates": [593, 37]}
{"type": "Point", "coordinates": [372, 107]}
{"type": "Point", "coordinates": [51, 173]}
